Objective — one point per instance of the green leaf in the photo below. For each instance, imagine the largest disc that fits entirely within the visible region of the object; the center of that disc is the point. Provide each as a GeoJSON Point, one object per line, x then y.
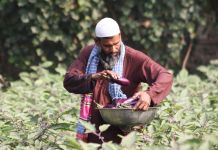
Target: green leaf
{"type": "Point", "coordinates": [211, 138]}
{"type": "Point", "coordinates": [46, 64]}
{"type": "Point", "coordinates": [204, 146]}
{"type": "Point", "coordinates": [179, 114]}
{"type": "Point", "coordinates": [32, 135]}
{"type": "Point", "coordinates": [110, 146]}
{"type": "Point", "coordinates": [24, 18]}
{"type": "Point", "coordinates": [32, 1]}
{"type": "Point", "coordinates": [27, 80]}
{"type": "Point", "coordinates": [63, 126]}
{"type": "Point", "coordinates": [71, 142]}
{"type": "Point", "coordinates": [6, 128]}
{"type": "Point", "coordinates": [89, 127]}
{"type": "Point", "coordinates": [151, 129]}
{"type": "Point", "coordinates": [89, 146]}
{"type": "Point", "coordinates": [182, 76]}
{"type": "Point", "coordinates": [184, 93]}
{"type": "Point", "coordinates": [22, 3]}
{"type": "Point", "coordinates": [129, 140]}
{"type": "Point", "coordinates": [104, 127]}
{"type": "Point", "coordinates": [60, 70]}
{"type": "Point", "coordinates": [203, 119]}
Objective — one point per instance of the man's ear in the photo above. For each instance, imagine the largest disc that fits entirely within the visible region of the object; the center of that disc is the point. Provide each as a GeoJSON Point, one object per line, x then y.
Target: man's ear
{"type": "Point", "coordinates": [97, 41]}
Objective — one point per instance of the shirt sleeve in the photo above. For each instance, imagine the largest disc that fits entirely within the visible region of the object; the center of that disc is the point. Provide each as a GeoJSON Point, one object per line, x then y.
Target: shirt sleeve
{"type": "Point", "coordinates": [75, 80]}
{"type": "Point", "coordinates": [158, 78]}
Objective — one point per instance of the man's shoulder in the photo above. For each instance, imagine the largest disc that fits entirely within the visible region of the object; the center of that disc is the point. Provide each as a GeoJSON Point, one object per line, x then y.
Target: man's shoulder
{"type": "Point", "coordinates": [135, 54]}
{"type": "Point", "coordinates": [87, 49]}
{"type": "Point", "coordinates": [85, 52]}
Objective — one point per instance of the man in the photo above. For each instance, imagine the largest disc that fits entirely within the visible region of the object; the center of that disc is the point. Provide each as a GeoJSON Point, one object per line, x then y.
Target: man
{"type": "Point", "coordinates": [110, 58]}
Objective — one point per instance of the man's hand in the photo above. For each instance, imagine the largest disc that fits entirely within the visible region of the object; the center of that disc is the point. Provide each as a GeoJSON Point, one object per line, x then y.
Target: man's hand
{"type": "Point", "coordinates": [144, 101]}
{"type": "Point", "coordinates": [104, 75]}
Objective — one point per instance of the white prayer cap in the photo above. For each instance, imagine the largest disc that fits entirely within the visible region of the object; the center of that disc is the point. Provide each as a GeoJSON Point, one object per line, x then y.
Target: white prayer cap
{"type": "Point", "coordinates": [107, 27]}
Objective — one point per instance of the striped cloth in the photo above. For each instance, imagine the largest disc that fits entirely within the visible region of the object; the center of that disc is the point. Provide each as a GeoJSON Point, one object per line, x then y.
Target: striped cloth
{"type": "Point", "coordinates": [85, 114]}
{"type": "Point", "coordinates": [114, 89]}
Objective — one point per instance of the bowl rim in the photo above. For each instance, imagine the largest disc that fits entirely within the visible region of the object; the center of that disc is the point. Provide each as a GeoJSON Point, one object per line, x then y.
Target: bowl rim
{"type": "Point", "coordinates": [126, 109]}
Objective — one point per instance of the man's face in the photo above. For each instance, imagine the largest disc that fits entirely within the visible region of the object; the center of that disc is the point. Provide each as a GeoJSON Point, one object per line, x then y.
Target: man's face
{"type": "Point", "coordinates": [110, 46]}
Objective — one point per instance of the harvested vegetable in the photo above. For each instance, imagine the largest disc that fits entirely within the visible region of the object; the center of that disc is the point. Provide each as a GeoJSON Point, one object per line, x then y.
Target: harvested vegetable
{"type": "Point", "coordinates": [121, 81]}
{"type": "Point", "coordinates": [124, 103]}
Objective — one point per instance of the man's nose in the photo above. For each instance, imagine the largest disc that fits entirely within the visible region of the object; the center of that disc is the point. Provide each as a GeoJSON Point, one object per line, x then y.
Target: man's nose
{"type": "Point", "coordinates": [113, 49]}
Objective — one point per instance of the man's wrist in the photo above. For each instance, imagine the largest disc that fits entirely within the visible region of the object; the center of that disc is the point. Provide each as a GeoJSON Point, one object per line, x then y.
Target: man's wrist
{"type": "Point", "coordinates": [93, 76]}
{"type": "Point", "coordinates": [148, 98]}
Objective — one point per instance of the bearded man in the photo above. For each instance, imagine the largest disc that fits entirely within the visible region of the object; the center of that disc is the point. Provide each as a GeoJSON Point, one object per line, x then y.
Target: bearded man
{"type": "Point", "coordinates": [110, 57]}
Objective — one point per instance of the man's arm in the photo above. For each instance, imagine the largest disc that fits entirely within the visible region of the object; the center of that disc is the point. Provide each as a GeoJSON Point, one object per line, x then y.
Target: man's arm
{"type": "Point", "coordinates": [159, 80]}
{"type": "Point", "coordinates": [75, 80]}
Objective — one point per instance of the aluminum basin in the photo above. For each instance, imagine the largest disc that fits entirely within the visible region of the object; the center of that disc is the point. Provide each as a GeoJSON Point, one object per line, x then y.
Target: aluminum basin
{"type": "Point", "coordinates": [127, 116]}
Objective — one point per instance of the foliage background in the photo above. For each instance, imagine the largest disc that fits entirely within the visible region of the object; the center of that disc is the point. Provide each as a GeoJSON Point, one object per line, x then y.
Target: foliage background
{"type": "Point", "coordinates": [39, 39]}
{"type": "Point", "coordinates": [37, 113]}
{"type": "Point", "coordinates": [35, 31]}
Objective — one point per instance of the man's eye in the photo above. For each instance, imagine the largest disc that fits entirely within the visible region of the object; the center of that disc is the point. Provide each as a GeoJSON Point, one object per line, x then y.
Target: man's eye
{"type": "Point", "coordinates": [108, 46]}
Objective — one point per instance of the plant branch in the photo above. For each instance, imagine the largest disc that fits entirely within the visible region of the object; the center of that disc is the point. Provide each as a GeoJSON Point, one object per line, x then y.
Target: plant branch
{"type": "Point", "coordinates": [185, 61]}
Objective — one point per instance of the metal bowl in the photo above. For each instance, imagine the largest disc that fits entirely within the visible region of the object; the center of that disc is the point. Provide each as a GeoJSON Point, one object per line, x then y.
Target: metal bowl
{"type": "Point", "coordinates": [127, 116]}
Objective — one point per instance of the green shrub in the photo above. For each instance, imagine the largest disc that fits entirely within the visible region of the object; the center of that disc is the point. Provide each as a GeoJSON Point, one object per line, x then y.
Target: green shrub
{"type": "Point", "coordinates": [38, 113]}
{"type": "Point", "coordinates": [35, 31]}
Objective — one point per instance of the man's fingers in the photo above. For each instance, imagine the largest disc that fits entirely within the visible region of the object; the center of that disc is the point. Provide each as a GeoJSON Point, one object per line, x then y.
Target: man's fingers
{"type": "Point", "coordinates": [136, 105]}
{"type": "Point", "coordinates": [112, 74]}
{"type": "Point", "coordinates": [105, 74]}
{"type": "Point", "coordinates": [141, 106]}
{"type": "Point", "coordinates": [145, 107]}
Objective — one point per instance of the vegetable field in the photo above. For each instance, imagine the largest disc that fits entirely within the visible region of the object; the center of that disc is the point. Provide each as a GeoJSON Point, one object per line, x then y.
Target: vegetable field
{"type": "Point", "coordinates": [37, 113]}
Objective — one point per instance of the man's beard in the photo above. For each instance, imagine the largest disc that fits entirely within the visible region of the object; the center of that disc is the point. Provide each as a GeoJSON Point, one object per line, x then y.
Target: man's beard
{"type": "Point", "coordinates": [108, 61]}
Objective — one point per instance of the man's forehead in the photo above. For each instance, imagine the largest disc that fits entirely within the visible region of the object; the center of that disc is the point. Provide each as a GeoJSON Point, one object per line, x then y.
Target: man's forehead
{"type": "Point", "coordinates": [110, 41]}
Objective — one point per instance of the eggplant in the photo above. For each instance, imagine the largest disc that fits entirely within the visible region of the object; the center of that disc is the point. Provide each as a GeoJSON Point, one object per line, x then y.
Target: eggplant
{"type": "Point", "coordinates": [109, 106]}
{"type": "Point", "coordinates": [131, 101]}
{"type": "Point", "coordinates": [121, 81]}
